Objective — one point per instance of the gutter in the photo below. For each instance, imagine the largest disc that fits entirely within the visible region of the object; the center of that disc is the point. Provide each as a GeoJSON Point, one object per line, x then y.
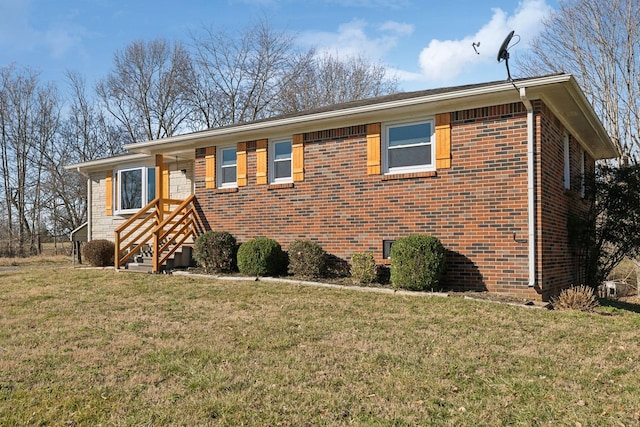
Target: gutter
{"type": "Point", "coordinates": [531, 195]}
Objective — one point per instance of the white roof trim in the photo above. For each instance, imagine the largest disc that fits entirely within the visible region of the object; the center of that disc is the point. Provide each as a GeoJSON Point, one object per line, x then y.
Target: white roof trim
{"type": "Point", "coordinates": [496, 90]}
{"type": "Point", "coordinates": [100, 164]}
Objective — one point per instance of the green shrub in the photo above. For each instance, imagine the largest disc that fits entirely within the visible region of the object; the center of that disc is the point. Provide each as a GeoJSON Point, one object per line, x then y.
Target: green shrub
{"type": "Point", "coordinates": [99, 253]}
{"type": "Point", "coordinates": [216, 251]}
{"type": "Point", "coordinates": [417, 262]}
{"type": "Point", "coordinates": [307, 259]}
{"type": "Point", "coordinates": [579, 298]}
{"type": "Point", "coordinates": [261, 257]}
{"type": "Point", "coordinates": [363, 268]}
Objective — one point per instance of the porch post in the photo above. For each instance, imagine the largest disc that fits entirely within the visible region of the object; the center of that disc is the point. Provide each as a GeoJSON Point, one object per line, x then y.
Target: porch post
{"type": "Point", "coordinates": [159, 186]}
{"type": "Point", "coordinates": [159, 211]}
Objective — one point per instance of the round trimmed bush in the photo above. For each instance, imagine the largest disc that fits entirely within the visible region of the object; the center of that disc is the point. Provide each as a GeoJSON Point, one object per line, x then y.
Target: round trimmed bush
{"type": "Point", "coordinates": [363, 268]}
{"type": "Point", "coordinates": [261, 257]}
{"type": "Point", "coordinates": [216, 251]}
{"type": "Point", "coordinates": [417, 262]}
{"type": "Point", "coordinates": [100, 252]}
{"type": "Point", "coordinates": [307, 259]}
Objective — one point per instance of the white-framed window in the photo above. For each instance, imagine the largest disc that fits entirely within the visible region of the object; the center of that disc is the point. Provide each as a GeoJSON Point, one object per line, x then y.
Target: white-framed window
{"type": "Point", "coordinates": [280, 161]}
{"type": "Point", "coordinates": [227, 167]}
{"type": "Point", "coordinates": [567, 163]}
{"type": "Point", "coordinates": [134, 188]}
{"type": "Point", "coordinates": [409, 147]}
{"type": "Point", "coordinates": [582, 177]}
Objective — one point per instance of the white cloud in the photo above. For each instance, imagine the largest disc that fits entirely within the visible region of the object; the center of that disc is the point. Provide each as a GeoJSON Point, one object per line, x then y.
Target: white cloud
{"type": "Point", "coordinates": [442, 60]}
{"type": "Point", "coordinates": [351, 39]}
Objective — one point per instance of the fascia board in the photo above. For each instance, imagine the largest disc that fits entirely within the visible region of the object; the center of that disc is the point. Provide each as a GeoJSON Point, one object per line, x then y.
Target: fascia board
{"type": "Point", "coordinates": [495, 94]}
{"type": "Point", "coordinates": [105, 163]}
{"type": "Point", "coordinates": [503, 92]}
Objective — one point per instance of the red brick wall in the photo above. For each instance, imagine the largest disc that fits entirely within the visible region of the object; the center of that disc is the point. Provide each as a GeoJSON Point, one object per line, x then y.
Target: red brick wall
{"type": "Point", "coordinates": [556, 266]}
{"type": "Point", "coordinates": [478, 207]}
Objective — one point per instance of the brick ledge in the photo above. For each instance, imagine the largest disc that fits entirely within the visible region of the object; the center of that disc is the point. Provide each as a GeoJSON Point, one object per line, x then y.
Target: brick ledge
{"type": "Point", "coordinates": [226, 190]}
{"type": "Point", "coordinates": [428, 174]}
{"type": "Point", "coordinates": [280, 186]}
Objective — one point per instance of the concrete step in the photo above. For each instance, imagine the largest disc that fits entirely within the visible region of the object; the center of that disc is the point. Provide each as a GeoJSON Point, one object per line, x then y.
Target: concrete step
{"type": "Point", "coordinates": [144, 262]}
{"type": "Point", "coordinates": [138, 267]}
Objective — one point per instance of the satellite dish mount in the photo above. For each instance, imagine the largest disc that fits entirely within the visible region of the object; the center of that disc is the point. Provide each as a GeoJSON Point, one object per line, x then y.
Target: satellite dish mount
{"type": "Point", "coordinates": [503, 53]}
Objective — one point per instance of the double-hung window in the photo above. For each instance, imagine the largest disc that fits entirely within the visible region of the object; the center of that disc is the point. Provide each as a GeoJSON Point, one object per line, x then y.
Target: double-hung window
{"type": "Point", "coordinates": [567, 163]}
{"type": "Point", "coordinates": [228, 167]}
{"type": "Point", "coordinates": [409, 147]}
{"type": "Point", "coordinates": [280, 160]}
{"type": "Point", "coordinates": [135, 187]}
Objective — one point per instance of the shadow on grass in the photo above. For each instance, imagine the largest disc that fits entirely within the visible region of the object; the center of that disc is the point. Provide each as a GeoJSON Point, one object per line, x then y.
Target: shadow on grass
{"type": "Point", "coordinates": [619, 305]}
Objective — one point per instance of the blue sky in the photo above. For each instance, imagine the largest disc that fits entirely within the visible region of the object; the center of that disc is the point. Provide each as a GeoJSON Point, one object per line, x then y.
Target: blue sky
{"type": "Point", "coordinates": [426, 43]}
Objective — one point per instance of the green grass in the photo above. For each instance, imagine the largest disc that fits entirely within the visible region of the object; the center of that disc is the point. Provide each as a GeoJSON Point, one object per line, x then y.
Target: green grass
{"type": "Point", "coordinates": [89, 347]}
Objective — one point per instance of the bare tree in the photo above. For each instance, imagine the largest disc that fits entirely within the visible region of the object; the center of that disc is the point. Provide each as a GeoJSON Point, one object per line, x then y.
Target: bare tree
{"type": "Point", "coordinates": [327, 80]}
{"type": "Point", "coordinates": [598, 41]}
{"type": "Point", "coordinates": [84, 134]}
{"type": "Point", "coordinates": [29, 115]}
{"type": "Point", "coordinates": [240, 77]}
{"type": "Point", "coordinates": [147, 91]}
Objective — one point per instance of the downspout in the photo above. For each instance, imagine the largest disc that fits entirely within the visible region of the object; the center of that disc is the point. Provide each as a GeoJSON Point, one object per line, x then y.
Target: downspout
{"type": "Point", "coordinates": [89, 202]}
{"type": "Point", "coordinates": [531, 194]}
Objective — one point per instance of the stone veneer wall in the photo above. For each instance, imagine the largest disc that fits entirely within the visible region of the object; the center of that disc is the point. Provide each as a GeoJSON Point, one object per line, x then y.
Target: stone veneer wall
{"type": "Point", "coordinates": [103, 225]}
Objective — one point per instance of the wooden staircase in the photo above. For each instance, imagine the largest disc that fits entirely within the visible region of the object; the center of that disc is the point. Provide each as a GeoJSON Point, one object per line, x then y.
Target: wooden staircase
{"type": "Point", "coordinates": [159, 237]}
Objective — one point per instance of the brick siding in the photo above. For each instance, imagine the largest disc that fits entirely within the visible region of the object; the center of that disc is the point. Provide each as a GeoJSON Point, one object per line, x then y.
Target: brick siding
{"type": "Point", "coordinates": [478, 207]}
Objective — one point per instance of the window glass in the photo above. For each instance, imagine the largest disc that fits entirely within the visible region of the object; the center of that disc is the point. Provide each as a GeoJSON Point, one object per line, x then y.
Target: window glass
{"type": "Point", "coordinates": [135, 188]}
{"type": "Point", "coordinates": [567, 163]}
{"type": "Point", "coordinates": [131, 189]}
{"type": "Point", "coordinates": [409, 147]}
{"type": "Point", "coordinates": [151, 184]}
{"type": "Point", "coordinates": [410, 134]}
{"type": "Point", "coordinates": [228, 166]}
{"type": "Point", "coordinates": [409, 156]}
{"type": "Point", "coordinates": [281, 160]}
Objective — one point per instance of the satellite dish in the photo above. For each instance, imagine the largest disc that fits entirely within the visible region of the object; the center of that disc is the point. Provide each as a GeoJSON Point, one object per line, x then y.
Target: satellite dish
{"type": "Point", "coordinates": [503, 52]}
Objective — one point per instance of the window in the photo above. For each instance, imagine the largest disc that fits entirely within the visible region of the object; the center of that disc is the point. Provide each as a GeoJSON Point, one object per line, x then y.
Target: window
{"type": "Point", "coordinates": [280, 160]}
{"type": "Point", "coordinates": [582, 177]}
{"type": "Point", "coordinates": [409, 147]}
{"type": "Point", "coordinates": [567, 163]}
{"type": "Point", "coordinates": [228, 167]}
{"type": "Point", "coordinates": [135, 188]}
{"type": "Point", "coordinates": [386, 248]}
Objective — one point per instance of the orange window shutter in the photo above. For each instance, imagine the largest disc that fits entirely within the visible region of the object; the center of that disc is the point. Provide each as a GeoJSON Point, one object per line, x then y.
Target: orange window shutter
{"type": "Point", "coordinates": [374, 149]}
{"type": "Point", "coordinates": [297, 148]}
{"type": "Point", "coordinates": [443, 141]}
{"type": "Point", "coordinates": [108, 182]}
{"type": "Point", "coordinates": [241, 164]}
{"type": "Point", "coordinates": [261, 161]}
{"type": "Point", "coordinates": [210, 167]}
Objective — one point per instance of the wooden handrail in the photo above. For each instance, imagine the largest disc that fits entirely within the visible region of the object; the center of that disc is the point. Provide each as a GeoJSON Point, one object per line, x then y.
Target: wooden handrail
{"type": "Point", "coordinates": [157, 222]}
{"type": "Point", "coordinates": [160, 234]}
{"type": "Point", "coordinates": [176, 211]}
{"type": "Point", "coordinates": [137, 215]}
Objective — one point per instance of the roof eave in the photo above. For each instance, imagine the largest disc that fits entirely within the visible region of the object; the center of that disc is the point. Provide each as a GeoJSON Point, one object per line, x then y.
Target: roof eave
{"type": "Point", "coordinates": [100, 164]}
{"type": "Point", "coordinates": [560, 92]}
{"type": "Point", "coordinates": [501, 92]}
{"type": "Point", "coordinates": [570, 105]}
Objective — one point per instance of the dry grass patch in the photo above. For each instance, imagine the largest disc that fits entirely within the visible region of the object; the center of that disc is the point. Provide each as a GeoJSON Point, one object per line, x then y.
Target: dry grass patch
{"type": "Point", "coordinates": [92, 347]}
{"type": "Point", "coordinates": [36, 261]}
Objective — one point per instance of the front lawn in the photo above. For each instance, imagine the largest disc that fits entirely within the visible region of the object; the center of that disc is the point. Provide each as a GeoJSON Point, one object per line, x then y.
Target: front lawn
{"type": "Point", "coordinates": [89, 347]}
